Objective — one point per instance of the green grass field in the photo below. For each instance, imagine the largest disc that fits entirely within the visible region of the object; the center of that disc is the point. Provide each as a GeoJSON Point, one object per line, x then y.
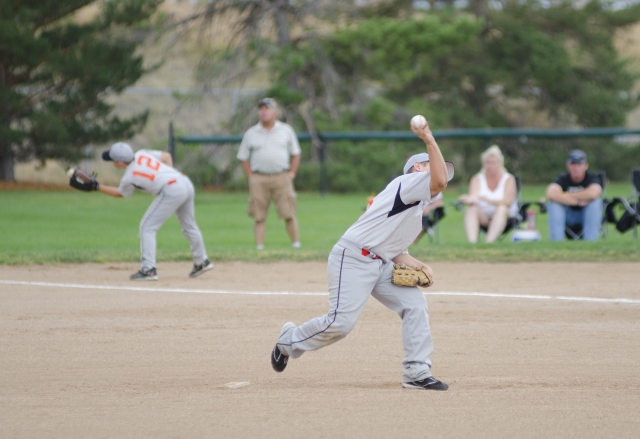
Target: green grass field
{"type": "Point", "coordinates": [69, 226]}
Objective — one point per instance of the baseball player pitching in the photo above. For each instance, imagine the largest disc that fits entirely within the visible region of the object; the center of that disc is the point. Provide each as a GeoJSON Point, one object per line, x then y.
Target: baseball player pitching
{"type": "Point", "coordinates": [371, 258]}
{"type": "Point", "coordinates": [153, 172]}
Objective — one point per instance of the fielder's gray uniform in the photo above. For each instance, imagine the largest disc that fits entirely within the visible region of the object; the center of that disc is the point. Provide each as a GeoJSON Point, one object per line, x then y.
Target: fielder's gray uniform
{"type": "Point", "coordinates": [174, 193]}
{"type": "Point", "coordinates": [360, 265]}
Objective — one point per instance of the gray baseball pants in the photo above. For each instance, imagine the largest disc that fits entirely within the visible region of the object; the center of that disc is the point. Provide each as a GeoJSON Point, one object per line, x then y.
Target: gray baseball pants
{"type": "Point", "coordinates": [352, 279]}
{"type": "Point", "coordinates": [177, 197]}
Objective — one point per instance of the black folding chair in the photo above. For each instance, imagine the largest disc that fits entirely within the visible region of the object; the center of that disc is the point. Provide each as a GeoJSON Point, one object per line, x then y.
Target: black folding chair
{"type": "Point", "coordinates": [631, 208]}
{"type": "Point", "coordinates": [430, 223]}
{"type": "Point", "coordinates": [574, 231]}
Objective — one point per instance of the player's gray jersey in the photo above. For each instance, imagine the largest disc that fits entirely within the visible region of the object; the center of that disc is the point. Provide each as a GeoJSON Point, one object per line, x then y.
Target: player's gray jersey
{"type": "Point", "coordinates": [147, 173]}
{"type": "Point", "coordinates": [394, 219]}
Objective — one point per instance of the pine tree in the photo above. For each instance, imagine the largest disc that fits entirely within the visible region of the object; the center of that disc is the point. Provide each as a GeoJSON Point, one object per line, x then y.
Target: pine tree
{"type": "Point", "coordinates": [56, 73]}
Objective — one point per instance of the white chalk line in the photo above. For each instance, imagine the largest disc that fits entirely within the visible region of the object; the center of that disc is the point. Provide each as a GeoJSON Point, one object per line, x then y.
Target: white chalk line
{"type": "Point", "coordinates": [296, 293]}
{"type": "Point", "coordinates": [160, 290]}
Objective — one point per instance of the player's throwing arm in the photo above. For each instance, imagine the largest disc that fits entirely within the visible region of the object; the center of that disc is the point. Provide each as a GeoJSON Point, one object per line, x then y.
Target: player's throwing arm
{"type": "Point", "coordinates": [439, 175]}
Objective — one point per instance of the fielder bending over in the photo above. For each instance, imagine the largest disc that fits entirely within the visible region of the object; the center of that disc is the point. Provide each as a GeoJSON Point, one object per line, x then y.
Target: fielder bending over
{"type": "Point", "coordinates": [361, 264]}
{"type": "Point", "coordinates": [152, 172]}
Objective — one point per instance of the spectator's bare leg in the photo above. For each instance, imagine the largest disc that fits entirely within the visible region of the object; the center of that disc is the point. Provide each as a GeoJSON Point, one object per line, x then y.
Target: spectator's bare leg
{"type": "Point", "coordinates": [498, 223]}
{"type": "Point", "coordinates": [472, 223]}
{"type": "Point", "coordinates": [292, 229]}
{"type": "Point", "coordinates": [259, 229]}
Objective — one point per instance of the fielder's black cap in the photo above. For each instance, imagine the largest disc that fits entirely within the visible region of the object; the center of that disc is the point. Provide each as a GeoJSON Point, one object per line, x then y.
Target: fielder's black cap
{"type": "Point", "coordinates": [577, 156]}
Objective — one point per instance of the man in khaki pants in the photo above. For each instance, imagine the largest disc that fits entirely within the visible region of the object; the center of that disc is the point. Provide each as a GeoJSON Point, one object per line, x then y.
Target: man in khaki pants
{"type": "Point", "coordinates": [270, 155]}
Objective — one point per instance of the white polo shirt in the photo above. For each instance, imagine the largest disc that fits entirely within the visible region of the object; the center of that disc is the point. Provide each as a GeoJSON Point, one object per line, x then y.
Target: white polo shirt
{"type": "Point", "coordinates": [269, 152]}
{"type": "Point", "coordinates": [395, 217]}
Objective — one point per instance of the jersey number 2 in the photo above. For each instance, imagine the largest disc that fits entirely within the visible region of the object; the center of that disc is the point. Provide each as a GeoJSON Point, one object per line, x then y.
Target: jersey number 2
{"type": "Point", "coordinates": [149, 163]}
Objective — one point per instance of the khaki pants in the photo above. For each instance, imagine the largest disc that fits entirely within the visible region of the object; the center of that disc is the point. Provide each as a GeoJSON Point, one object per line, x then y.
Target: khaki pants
{"type": "Point", "coordinates": [264, 188]}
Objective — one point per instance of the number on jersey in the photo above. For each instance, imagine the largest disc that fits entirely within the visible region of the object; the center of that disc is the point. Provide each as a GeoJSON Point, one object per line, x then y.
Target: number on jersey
{"type": "Point", "coordinates": [150, 163]}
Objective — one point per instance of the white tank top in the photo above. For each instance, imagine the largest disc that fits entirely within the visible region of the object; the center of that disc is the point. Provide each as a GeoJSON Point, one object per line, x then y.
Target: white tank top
{"type": "Point", "coordinates": [497, 194]}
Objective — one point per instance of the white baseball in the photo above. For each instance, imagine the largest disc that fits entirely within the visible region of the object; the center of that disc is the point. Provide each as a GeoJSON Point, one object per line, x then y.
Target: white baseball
{"type": "Point", "coordinates": [70, 172]}
{"type": "Point", "coordinates": [418, 121]}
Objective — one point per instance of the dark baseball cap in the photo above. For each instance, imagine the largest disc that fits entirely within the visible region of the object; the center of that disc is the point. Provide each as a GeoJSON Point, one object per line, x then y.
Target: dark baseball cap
{"type": "Point", "coordinates": [269, 102]}
{"type": "Point", "coordinates": [577, 156]}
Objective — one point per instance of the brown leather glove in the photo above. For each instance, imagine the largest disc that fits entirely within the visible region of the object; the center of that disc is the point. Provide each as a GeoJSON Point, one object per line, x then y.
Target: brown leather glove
{"type": "Point", "coordinates": [407, 276]}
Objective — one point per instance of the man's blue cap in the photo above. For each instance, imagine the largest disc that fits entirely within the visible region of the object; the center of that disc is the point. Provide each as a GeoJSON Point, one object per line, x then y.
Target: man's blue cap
{"type": "Point", "coordinates": [269, 102]}
{"type": "Point", "coordinates": [577, 156]}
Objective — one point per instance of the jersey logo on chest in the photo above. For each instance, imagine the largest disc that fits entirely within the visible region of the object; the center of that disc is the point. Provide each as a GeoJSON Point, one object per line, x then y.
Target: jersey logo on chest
{"type": "Point", "coordinates": [399, 206]}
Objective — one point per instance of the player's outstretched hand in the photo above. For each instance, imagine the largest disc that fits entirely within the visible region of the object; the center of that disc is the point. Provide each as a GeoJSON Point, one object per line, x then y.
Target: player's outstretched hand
{"type": "Point", "coordinates": [424, 132]}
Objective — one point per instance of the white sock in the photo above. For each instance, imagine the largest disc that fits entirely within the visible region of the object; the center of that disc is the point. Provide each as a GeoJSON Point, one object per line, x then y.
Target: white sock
{"type": "Point", "coordinates": [296, 244]}
{"type": "Point", "coordinates": [260, 247]}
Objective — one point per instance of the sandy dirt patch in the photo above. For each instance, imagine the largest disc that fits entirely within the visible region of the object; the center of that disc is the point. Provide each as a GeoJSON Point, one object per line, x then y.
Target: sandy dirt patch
{"type": "Point", "coordinates": [94, 362]}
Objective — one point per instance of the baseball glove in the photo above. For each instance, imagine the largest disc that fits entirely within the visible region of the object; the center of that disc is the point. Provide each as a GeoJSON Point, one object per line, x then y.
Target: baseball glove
{"type": "Point", "coordinates": [407, 276]}
{"type": "Point", "coordinates": [83, 181]}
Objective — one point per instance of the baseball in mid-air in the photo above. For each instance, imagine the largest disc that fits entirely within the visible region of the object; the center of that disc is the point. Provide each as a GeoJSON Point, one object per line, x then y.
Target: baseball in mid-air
{"type": "Point", "coordinates": [418, 121]}
{"type": "Point", "coordinates": [70, 172]}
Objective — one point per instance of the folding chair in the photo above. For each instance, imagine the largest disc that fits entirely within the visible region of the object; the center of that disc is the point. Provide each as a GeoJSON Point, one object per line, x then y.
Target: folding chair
{"type": "Point", "coordinates": [631, 214]}
{"type": "Point", "coordinates": [574, 231]}
{"type": "Point", "coordinates": [430, 224]}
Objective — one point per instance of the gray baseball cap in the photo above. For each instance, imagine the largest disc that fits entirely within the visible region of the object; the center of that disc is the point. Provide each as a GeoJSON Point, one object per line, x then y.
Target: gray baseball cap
{"type": "Point", "coordinates": [577, 156]}
{"type": "Point", "coordinates": [119, 152]}
{"type": "Point", "coordinates": [424, 157]}
{"type": "Point", "coordinates": [269, 102]}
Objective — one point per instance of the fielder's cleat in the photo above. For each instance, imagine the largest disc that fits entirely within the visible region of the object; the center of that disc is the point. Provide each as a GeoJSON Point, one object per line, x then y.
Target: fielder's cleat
{"type": "Point", "coordinates": [149, 274]}
{"type": "Point", "coordinates": [199, 269]}
{"type": "Point", "coordinates": [278, 359]}
{"type": "Point", "coordinates": [429, 383]}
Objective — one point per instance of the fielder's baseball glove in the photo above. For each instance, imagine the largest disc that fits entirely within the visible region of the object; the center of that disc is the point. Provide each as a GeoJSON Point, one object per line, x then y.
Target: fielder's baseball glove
{"type": "Point", "coordinates": [407, 276]}
{"type": "Point", "coordinates": [83, 181]}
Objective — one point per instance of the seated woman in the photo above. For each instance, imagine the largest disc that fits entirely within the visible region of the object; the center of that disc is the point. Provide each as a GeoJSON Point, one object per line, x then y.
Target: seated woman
{"type": "Point", "coordinates": [491, 200]}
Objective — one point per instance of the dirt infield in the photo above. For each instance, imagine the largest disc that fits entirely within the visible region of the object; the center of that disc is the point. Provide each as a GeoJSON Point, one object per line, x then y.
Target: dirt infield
{"type": "Point", "coordinates": [80, 359]}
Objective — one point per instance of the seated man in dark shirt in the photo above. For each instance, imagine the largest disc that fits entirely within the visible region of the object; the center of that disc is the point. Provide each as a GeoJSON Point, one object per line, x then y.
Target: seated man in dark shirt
{"type": "Point", "coordinates": [574, 198]}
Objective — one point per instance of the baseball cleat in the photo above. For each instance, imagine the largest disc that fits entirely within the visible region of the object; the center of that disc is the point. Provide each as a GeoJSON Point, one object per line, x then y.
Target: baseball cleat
{"type": "Point", "coordinates": [278, 359]}
{"type": "Point", "coordinates": [199, 269]}
{"type": "Point", "coordinates": [429, 383]}
{"type": "Point", "coordinates": [149, 274]}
